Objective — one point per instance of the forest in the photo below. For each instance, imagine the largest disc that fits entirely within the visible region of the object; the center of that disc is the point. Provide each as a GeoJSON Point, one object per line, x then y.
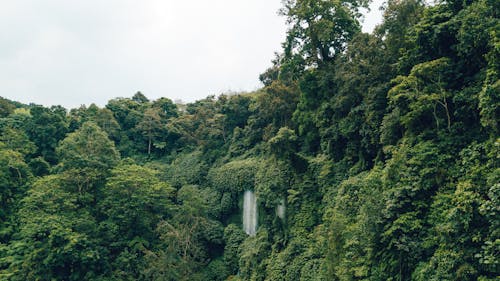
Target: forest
{"type": "Point", "coordinates": [363, 157]}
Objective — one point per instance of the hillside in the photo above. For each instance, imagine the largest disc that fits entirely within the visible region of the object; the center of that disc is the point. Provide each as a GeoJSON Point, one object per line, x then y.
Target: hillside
{"type": "Point", "coordinates": [363, 157]}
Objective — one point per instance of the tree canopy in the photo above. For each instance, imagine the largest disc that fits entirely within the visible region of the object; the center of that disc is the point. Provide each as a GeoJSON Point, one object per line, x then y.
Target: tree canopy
{"type": "Point", "coordinates": [371, 156]}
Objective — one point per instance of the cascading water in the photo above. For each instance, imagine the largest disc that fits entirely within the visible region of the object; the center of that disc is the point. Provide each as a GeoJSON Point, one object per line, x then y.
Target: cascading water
{"type": "Point", "coordinates": [249, 212]}
{"type": "Point", "coordinates": [281, 209]}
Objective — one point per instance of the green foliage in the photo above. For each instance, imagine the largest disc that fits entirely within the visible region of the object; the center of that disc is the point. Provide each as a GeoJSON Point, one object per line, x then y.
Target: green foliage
{"type": "Point", "coordinates": [489, 97]}
{"type": "Point", "coordinates": [423, 94]}
{"type": "Point", "coordinates": [319, 30]}
{"type": "Point", "coordinates": [254, 250]}
{"type": "Point", "coordinates": [272, 181]}
{"type": "Point", "coordinates": [399, 18]}
{"type": "Point", "coordinates": [55, 240]}
{"type": "Point", "coordinates": [294, 262]}
{"type": "Point", "coordinates": [134, 200]}
{"type": "Point", "coordinates": [186, 169]}
{"type": "Point", "coordinates": [6, 107]}
{"type": "Point", "coordinates": [231, 180]}
{"type": "Point", "coordinates": [87, 147]}
{"type": "Point", "coordinates": [233, 237]}
{"type": "Point", "coordinates": [15, 176]}
{"type": "Point", "coordinates": [382, 147]}
{"type": "Point", "coordinates": [132, 204]}
{"type": "Point", "coordinates": [17, 140]}
{"type": "Point", "coordinates": [271, 110]}
{"type": "Point", "coordinates": [182, 251]}
{"type": "Point", "coordinates": [102, 117]}
{"type": "Point", "coordinates": [86, 156]}
{"type": "Point", "coordinates": [150, 126]}
{"type": "Point", "coordinates": [46, 127]}
{"type": "Point", "coordinates": [129, 113]}
{"type": "Point", "coordinates": [284, 143]}
{"type": "Point", "coordinates": [353, 227]}
{"type": "Point", "coordinates": [236, 176]}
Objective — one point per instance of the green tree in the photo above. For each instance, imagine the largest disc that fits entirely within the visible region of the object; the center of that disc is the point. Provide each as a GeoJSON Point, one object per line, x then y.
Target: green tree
{"type": "Point", "coordinates": [233, 237]}
{"type": "Point", "coordinates": [15, 176]}
{"type": "Point", "coordinates": [56, 238]}
{"type": "Point", "coordinates": [17, 140]}
{"type": "Point", "coordinates": [46, 128]}
{"type": "Point", "coordinates": [6, 107]}
{"type": "Point", "coordinates": [131, 205]}
{"type": "Point", "coordinates": [183, 237]}
{"type": "Point", "coordinates": [423, 94]}
{"type": "Point", "coordinates": [489, 97]}
{"type": "Point", "coordinates": [254, 251]}
{"type": "Point", "coordinates": [399, 17]}
{"type": "Point", "coordinates": [86, 156]}
{"type": "Point", "coordinates": [103, 117]}
{"type": "Point", "coordinates": [150, 126]}
{"type": "Point", "coordinates": [231, 180]}
{"type": "Point", "coordinates": [319, 30]}
{"type": "Point", "coordinates": [88, 147]}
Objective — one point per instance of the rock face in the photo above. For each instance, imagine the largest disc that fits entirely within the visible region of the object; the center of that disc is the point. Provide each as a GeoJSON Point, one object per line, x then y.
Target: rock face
{"type": "Point", "coordinates": [250, 212]}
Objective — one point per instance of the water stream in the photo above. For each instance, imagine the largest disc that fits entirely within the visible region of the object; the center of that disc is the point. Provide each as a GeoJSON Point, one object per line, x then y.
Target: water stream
{"type": "Point", "coordinates": [250, 212]}
{"type": "Point", "coordinates": [281, 209]}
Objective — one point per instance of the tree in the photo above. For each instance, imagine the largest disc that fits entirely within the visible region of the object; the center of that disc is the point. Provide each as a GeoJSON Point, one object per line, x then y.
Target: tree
{"type": "Point", "coordinates": [231, 180]}
{"type": "Point", "coordinates": [423, 93]}
{"type": "Point", "coordinates": [150, 126]}
{"type": "Point", "coordinates": [128, 113]}
{"type": "Point", "coordinates": [254, 251]}
{"type": "Point", "coordinates": [102, 117]}
{"type": "Point", "coordinates": [86, 156]}
{"type": "Point", "coordinates": [183, 239]}
{"type": "Point", "coordinates": [55, 240]}
{"type": "Point", "coordinates": [489, 97]}
{"type": "Point", "coordinates": [135, 200]}
{"type": "Point", "coordinates": [167, 108]}
{"type": "Point", "coordinates": [6, 107]}
{"type": "Point", "coordinates": [46, 128]}
{"type": "Point", "coordinates": [236, 111]}
{"type": "Point", "coordinates": [131, 205]}
{"type": "Point", "coordinates": [17, 140]}
{"type": "Point", "coordinates": [14, 178]}
{"type": "Point", "coordinates": [320, 30]}
{"type": "Point", "coordinates": [87, 147]}
{"type": "Point", "coordinates": [140, 98]}
{"type": "Point", "coordinates": [399, 17]}
{"type": "Point", "coordinates": [233, 237]}
{"type": "Point", "coordinates": [271, 110]}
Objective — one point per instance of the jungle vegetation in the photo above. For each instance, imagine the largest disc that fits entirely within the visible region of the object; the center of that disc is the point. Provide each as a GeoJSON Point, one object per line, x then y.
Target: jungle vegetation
{"type": "Point", "coordinates": [384, 148]}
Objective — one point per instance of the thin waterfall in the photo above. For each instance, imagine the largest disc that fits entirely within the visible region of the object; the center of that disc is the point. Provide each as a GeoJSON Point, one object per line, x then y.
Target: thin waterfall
{"type": "Point", "coordinates": [281, 209]}
{"type": "Point", "coordinates": [250, 212]}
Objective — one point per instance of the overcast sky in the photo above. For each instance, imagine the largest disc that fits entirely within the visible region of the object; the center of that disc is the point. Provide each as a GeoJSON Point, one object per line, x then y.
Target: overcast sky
{"type": "Point", "coordinates": [78, 52]}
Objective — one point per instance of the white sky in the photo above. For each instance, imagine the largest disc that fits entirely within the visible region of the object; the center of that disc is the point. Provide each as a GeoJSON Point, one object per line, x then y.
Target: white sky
{"type": "Point", "coordinates": [71, 52]}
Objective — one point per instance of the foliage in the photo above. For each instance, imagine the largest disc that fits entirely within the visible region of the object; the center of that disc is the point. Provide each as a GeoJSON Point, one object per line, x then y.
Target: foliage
{"type": "Point", "coordinates": [46, 127]}
{"type": "Point", "coordinates": [372, 156]}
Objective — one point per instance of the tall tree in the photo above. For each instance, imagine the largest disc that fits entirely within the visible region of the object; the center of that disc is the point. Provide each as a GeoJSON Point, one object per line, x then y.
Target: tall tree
{"type": "Point", "coordinates": [55, 240]}
{"type": "Point", "coordinates": [86, 156]}
{"type": "Point", "coordinates": [320, 30]}
{"type": "Point", "coordinates": [150, 126]}
{"type": "Point", "coordinates": [46, 128]}
{"type": "Point", "coordinates": [133, 202]}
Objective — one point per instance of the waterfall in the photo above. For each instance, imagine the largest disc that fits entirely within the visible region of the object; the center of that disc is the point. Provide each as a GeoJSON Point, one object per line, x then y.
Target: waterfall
{"type": "Point", "coordinates": [280, 209]}
{"type": "Point", "coordinates": [250, 212]}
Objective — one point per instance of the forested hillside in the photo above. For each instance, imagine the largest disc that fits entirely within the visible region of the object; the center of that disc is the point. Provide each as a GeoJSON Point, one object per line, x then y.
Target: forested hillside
{"type": "Point", "coordinates": [371, 157]}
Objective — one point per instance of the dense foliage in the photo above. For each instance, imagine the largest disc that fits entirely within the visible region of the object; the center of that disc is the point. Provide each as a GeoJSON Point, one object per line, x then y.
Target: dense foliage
{"type": "Point", "coordinates": [384, 149]}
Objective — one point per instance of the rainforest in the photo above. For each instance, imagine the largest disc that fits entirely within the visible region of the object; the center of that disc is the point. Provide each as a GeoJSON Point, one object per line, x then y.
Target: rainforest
{"type": "Point", "coordinates": [362, 157]}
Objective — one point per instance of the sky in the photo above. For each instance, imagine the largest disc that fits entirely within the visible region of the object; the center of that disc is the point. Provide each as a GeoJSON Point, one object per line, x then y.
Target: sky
{"type": "Point", "coordinates": [69, 53]}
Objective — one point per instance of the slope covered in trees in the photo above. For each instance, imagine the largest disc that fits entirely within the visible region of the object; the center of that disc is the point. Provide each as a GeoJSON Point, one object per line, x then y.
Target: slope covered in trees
{"type": "Point", "coordinates": [383, 149]}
